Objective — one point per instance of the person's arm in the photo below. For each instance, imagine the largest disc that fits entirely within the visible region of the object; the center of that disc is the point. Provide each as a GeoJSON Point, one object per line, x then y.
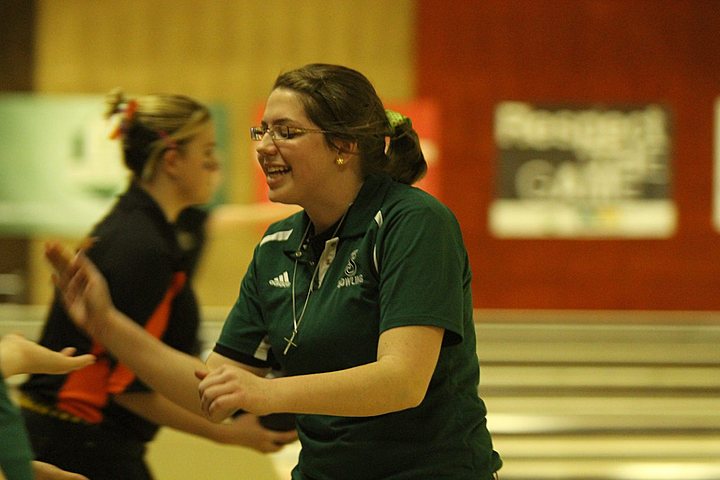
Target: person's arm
{"type": "Point", "coordinates": [45, 471]}
{"type": "Point", "coordinates": [20, 355]}
{"type": "Point", "coordinates": [245, 430]}
{"type": "Point", "coordinates": [397, 380]}
{"type": "Point", "coordinates": [87, 300]}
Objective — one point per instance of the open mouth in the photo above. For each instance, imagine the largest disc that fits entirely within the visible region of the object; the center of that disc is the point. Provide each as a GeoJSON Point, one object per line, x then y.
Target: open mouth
{"type": "Point", "coordinates": [272, 172]}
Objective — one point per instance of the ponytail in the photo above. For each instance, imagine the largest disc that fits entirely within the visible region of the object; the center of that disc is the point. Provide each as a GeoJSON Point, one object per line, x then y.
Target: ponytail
{"type": "Point", "coordinates": [148, 125]}
{"type": "Point", "coordinates": [405, 160]}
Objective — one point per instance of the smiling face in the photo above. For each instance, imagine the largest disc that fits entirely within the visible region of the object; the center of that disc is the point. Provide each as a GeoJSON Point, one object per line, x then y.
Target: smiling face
{"type": "Point", "coordinates": [298, 170]}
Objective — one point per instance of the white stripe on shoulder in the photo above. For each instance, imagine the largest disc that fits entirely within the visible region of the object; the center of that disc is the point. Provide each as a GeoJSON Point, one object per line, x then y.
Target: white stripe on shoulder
{"type": "Point", "coordinates": [379, 221]}
{"type": "Point", "coordinates": [261, 353]}
{"type": "Point", "coordinates": [280, 236]}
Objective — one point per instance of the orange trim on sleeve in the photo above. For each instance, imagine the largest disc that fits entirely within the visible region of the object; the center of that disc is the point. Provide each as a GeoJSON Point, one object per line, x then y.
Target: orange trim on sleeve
{"type": "Point", "coordinates": [85, 391]}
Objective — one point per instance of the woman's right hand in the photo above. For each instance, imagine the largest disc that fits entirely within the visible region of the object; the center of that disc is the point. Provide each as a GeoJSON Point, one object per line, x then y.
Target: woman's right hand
{"type": "Point", "coordinates": [246, 430]}
{"type": "Point", "coordinates": [82, 288]}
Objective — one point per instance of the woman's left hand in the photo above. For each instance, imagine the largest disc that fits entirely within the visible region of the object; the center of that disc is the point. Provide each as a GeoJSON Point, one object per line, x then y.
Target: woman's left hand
{"type": "Point", "coordinates": [227, 389]}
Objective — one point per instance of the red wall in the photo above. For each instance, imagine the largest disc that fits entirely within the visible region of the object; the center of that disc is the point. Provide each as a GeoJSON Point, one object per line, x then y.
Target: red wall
{"type": "Point", "coordinates": [473, 54]}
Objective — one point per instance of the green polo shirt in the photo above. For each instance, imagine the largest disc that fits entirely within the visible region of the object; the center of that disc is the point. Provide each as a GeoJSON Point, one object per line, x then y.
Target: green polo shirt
{"type": "Point", "coordinates": [15, 452]}
{"type": "Point", "coordinates": [398, 260]}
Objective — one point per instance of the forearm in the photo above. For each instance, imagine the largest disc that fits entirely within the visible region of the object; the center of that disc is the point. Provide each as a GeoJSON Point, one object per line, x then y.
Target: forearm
{"type": "Point", "coordinates": [372, 389]}
{"type": "Point", "coordinates": [168, 371]}
{"type": "Point", "coordinates": [11, 358]}
{"type": "Point", "coordinates": [245, 430]}
{"type": "Point", "coordinates": [161, 411]}
{"type": "Point", "coordinates": [8, 366]}
{"type": "Point", "coordinates": [397, 380]}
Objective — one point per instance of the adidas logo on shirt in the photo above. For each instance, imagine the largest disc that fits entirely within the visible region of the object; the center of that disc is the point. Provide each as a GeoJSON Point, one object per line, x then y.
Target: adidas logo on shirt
{"type": "Point", "coordinates": [281, 281]}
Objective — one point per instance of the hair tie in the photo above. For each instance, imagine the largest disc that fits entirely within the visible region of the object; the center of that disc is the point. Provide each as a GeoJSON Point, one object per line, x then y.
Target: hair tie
{"type": "Point", "coordinates": [396, 119]}
{"type": "Point", "coordinates": [128, 112]}
{"type": "Point", "coordinates": [130, 109]}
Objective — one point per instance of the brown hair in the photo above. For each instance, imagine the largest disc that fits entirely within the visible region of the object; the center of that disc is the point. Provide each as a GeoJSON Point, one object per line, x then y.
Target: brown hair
{"type": "Point", "coordinates": [343, 102]}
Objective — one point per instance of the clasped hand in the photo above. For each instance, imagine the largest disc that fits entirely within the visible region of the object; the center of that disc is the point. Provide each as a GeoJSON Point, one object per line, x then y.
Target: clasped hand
{"type": "Point", "coordinates": [227, 389]}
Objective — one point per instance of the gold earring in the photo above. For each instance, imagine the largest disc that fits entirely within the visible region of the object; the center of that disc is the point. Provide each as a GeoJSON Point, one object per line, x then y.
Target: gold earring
{"type": "Point", "coordinates": [340, 161]}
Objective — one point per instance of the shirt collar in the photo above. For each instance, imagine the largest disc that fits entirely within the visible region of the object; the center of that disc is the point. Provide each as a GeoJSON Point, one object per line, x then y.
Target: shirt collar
{"type": "Point", "coordinates": [362, 211]}
{"type": "Point", "coordinates": [366, 205]}
{"type": "Point", "coordinates": [136, 197]}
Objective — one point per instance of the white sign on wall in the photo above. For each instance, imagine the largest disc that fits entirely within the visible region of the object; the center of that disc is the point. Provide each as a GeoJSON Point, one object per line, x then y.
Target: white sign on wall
{"type": "Point", "coordinates": [578, 172]}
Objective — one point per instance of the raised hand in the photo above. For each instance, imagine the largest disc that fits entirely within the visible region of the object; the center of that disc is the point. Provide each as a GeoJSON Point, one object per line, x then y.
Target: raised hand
{"type": "Point", "coordinates": [82, 287]}
{"type": "Point", "coordinates": [20, 355]}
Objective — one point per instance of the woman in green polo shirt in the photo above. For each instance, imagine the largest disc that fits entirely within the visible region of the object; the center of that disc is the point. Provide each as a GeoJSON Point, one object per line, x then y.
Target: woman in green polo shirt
{"type": "Point", "coordinates": [363, 299]}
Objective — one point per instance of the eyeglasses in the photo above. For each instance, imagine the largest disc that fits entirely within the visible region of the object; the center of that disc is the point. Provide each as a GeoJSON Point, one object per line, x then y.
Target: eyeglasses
{"type": "Point", "coordinates": [280, 132]}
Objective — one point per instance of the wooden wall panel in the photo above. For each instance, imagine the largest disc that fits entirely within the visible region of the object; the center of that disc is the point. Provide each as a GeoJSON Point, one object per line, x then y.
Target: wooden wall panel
{"type": "Point", "coordinates": [216, 50]}
{"type": "Point", "coordinates": [219, 51]}
{"type": "Point", "coordinates": [227, 51]}
{"type": "Point", "coordinates": [478, 53]}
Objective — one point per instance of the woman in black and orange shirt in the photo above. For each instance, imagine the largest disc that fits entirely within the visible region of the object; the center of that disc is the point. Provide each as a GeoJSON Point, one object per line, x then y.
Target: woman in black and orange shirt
{"type": "Point", "coordinates": [97, 421]}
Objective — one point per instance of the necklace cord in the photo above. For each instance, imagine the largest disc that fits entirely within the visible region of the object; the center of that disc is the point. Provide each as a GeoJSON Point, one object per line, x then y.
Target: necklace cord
{"type": "Point", "coordinates": [297, 320]}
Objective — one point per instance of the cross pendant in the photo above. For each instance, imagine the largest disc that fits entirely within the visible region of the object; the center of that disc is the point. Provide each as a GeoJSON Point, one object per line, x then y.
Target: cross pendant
{"type": "Point", "coordinates": [290, 342]}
